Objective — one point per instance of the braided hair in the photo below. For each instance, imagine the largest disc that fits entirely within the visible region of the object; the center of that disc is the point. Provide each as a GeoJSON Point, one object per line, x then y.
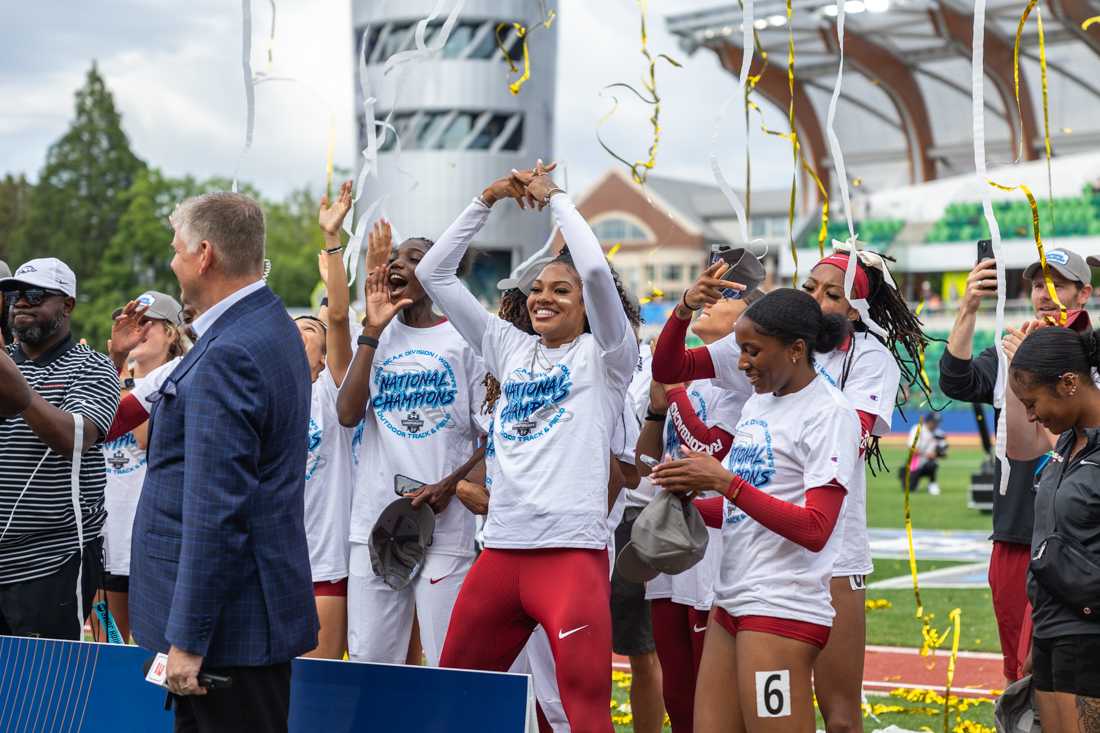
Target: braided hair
{"type": "Point", "coordinates": [791, 315]}
{"type": "Point", "coordinates": [513, 308]}
{"type": "Point", "coordinates": [1049, 353]}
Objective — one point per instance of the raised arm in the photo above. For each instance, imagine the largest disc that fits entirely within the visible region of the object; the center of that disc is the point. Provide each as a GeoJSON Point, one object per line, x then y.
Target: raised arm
{"type": "Point", "coordinates": [601, 297]}
{"type": "Point", "coordinates": [15, 394]}
{"type": "Point", "coordinates": [437, 271]}
{"type": "Point", "coordinates": [338, 332]}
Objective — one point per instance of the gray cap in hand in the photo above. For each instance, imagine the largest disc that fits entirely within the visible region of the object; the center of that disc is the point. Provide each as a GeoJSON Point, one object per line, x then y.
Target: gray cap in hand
{"type": "Point", "coordinates": [399, 541]}
{"type": "Point", "coordinates": [668, 536]}
{"type": "Point", "coordinates": [1014, 711]}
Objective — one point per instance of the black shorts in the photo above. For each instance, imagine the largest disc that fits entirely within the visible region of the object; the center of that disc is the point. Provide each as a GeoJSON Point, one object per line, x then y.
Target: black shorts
{"type": "Point", "coordinates": [631, 625]}
{"type": "Point", "coordinates": [115, 583]}
{"type": "Point", "coordinates": [46, 607]}
{"type": "Point", "coordinates": [1067, 664]}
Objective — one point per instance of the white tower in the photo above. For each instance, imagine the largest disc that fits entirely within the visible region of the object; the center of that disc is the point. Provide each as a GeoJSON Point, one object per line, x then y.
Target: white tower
{"type": "Point", "coordinates": [460, 126]}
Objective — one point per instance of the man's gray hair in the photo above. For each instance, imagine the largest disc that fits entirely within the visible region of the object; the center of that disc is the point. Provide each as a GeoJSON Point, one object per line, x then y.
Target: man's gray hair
{"type": "Point", "coordinates": [233, 224]}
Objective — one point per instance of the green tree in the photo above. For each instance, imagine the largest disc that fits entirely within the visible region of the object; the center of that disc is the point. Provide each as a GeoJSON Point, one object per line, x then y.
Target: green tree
{"type": "Point", "coordinates": [138, 255]}
{"type": "Point", "coordinates": [293, 241]}
{"type": "Point", "coordinates": [15, 199]}
{"type": "Point", "coordinates": [79, 197]}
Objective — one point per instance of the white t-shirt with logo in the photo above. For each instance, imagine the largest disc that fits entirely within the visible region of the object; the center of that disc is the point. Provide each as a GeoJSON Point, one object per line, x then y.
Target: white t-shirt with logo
{"type": "Point", "coordinates": [725, 354]}
{"type": "Point", "coordinates": [426, 389]}
{"type": "Point", "coordinates": [126, 465]}
{"type": "Point", "coordinates": [329, 480]}
{"type": "Point", "coordinates": [871, 386]}
{"type": "Point", "coordinates": [548, 452]}
{"type": "Point", "coordinates": [784, 446]}
{"type": "Point", "coordinates": [637, 400]}
{"type": "Point", "coordinates": [694, 587]}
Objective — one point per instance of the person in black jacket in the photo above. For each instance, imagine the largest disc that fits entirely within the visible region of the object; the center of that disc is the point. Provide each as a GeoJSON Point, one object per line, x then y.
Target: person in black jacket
{"type": "Point", "coordinates": [972, 380]}
{"type": "Point", "coordinates": [1052, 377]}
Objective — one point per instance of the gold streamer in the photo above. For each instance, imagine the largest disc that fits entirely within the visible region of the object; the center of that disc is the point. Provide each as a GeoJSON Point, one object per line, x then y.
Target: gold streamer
{"type": "Point", "coordinates": [614, 250]}
{"type": "Point", "coordinates": [909, 521]}
{"type": "Point", "coordinates": [639, 170]}
{"type": "Point", "coordinates": [522, 32]}
{"type": "Point", "coordinates": [1038, 244]}
{"type": "Point", "coordinates": [956, 618]}
{"type": "Point", "coordinates": [1033, 5]}
{"type": "Point", "coordinates": [1089, 22]}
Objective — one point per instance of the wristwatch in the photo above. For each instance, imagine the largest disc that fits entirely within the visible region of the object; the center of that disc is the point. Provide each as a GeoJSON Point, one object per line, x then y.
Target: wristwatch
{"type": "Point", "coordinates": [365, 340]}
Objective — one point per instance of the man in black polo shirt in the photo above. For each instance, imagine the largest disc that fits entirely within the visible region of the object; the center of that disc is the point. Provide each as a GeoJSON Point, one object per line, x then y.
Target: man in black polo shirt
{"type": "Point", "coordinates": [46, 379]}
{"type": "Point", "coordinates": [972, 379]}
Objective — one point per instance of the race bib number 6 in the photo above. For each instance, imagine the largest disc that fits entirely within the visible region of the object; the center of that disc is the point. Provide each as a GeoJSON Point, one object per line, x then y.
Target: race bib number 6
{"type": "Point", "coordinates": [773, 694]}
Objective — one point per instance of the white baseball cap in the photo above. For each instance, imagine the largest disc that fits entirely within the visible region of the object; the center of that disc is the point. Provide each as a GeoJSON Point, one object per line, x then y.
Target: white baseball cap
{"type": "Point", "coordinates": [44, 272]}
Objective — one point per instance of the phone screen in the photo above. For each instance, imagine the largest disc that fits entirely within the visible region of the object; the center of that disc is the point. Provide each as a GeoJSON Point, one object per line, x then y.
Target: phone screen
{"type": "Point", "coordinates": [403, 485]}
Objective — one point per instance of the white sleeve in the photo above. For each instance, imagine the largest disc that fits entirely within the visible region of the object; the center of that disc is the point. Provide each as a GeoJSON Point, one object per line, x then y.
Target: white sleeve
{"type": "Point", "coordinates": [830, 447]}
{"type": "Point", "coordinates": [725, 354]}
{"type": "Point", "coordinates": [476, 371]}
{"type": "Point", "coordinates": [437, 269]}
{"type": "Point", "coordinates": [151, 382]}
{"type": "Point", "coordinates": [602, 305]}
{"type": "Point", "coordinates": [726, 412]}
{"type": "Point", "coordinates": [625, 434]}
{"type": "Point", "coordinates": [872, 386]}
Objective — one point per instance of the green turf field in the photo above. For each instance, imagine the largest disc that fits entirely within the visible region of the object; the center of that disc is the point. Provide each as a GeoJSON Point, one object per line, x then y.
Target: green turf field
{"type": "Point", "coordinates": [947, 511]}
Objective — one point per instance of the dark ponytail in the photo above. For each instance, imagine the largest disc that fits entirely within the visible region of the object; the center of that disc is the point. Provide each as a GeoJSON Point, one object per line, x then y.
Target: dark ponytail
{"type": "Point", "coordinates": [1049, 353]}
{"type": "Point", "coordinates": [789, 315]}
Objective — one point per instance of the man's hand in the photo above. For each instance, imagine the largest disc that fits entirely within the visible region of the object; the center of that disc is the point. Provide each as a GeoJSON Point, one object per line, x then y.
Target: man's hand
{"type": "Point", "coordinates": [981, 283]}
{"type": "Point", "coordinates": [437, 495]}
{"type": "Point", "coordinates": [183, 672]}
{"type": "Point", "coordinates": [380, 311]}
{"type": "Point", "coordinates": [127, 332]}
{"type": "Point", "coordinates": [331, 218]}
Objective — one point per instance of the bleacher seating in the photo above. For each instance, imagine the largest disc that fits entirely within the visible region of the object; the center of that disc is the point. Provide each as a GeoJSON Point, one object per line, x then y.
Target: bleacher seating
{"type": "Point", "coordinates": [1073, 217]}
{"type": "Point", "coordinates": [879, 232]}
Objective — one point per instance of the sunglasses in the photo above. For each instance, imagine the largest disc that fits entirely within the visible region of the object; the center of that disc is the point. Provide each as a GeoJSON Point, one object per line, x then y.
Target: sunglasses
{"type": "Point", "coordinates": [33, 296]}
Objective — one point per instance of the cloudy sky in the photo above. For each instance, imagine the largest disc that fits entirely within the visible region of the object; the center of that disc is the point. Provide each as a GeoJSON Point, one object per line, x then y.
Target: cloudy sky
{"type": "Point", "coordinates": [174, 69]}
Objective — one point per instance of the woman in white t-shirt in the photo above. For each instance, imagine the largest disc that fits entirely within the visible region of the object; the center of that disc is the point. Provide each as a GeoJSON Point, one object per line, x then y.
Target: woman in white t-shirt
{"type": "Point", "coordinates": [548, 459]}
{"type": "Point", "coordinates": [159, 349]}
{"type": "Point", "coordinates": [327, 340]}
{"type": "Point", "coordinates": [417, 386]}
{"type": "Point", "coordinates": [699, 416]}
{"type": "Point", "coordinates": [795, 452]}
{"type": "Point", "coordinates": [868, 372]}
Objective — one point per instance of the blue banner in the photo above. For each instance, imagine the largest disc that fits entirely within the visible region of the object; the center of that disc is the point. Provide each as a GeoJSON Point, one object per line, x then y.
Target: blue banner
{"type": "Point", "coordinates": [68, 686]}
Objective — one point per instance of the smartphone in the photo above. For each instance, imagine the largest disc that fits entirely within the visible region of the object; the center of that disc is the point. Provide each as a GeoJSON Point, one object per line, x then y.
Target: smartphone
{"type": "Point", "coordinates": [403, 485]}
{"type": "Point", "coordinates": [215, 680]}
{"type": "Point", "coordinates": [985, 249]}
{"type": "Point", "coordinates": [649, 461]}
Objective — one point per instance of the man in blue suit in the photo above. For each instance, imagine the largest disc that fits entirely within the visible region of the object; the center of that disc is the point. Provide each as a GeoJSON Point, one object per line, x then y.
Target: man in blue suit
{"type": "Point", "coordinates": [220, 576]}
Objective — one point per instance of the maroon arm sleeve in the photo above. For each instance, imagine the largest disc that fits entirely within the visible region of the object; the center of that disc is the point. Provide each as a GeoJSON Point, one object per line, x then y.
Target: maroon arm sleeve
{"type": "Point", "coordinates": [711, 508]}
{"type": "Point", "coordinates": [672, 362]}
{"type": "Point", "coordinates": [866, 424]}
{"type": "Point", "coordinates": [692, 431]}
{"type": "Point", "coordinates": [809, 526]}
{"type": "Point", "coordinates": [131, 413]}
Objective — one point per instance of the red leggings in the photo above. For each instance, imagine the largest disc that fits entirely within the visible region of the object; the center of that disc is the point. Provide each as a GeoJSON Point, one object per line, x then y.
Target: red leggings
{"type": "Point", "coordinates": [678, 632]}
{"type": "Point", "coordinates": [508, 592]}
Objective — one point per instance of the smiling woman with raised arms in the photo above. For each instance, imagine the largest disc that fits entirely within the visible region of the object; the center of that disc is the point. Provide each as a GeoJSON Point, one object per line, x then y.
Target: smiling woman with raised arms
{"type": "Point", "coordinates": [562, 391]}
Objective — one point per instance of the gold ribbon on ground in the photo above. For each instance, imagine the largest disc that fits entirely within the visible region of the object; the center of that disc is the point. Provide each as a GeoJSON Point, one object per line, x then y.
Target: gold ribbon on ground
{"type": "Point", "coordinates": [956, 617]}
{"type": "Point", "coordinates": [522, 32]}
{"type": "Point", "coordinates": [1051, 291]}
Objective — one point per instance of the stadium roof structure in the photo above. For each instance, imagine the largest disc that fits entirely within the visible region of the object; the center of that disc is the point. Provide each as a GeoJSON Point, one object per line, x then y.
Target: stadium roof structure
{"type": "Point", "coordinates": [905, 112]}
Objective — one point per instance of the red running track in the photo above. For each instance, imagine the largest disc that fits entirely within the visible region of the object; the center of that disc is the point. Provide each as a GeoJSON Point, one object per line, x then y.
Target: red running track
{"type": "Point", "coordinates": [977, 674]}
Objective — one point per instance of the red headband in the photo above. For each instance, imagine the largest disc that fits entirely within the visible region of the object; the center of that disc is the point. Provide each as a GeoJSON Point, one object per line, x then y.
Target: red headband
{"type": "Point", "coordinates": [861, 288]}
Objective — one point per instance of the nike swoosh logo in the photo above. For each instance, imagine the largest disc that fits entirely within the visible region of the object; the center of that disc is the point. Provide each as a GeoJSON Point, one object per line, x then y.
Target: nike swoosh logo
{"type": "Point", "coordinates": [564, 634]}
{"type": "Point", "coordinates": [699, 630]}
{"type": "Point", "coordinates": [433, 581]}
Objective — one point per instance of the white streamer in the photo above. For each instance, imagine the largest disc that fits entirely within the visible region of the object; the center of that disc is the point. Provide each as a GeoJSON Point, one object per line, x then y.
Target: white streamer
{"type": "Point", "coordinates": [748, 47]}
{"type": "Point", "coordinates": [977, 81]}
{"type": "Point", "coordinates": [74, 487]}
{"type": "Point", "coordinates": [249, 90]}
{"type": "Point", "coordinates": [855, 254]}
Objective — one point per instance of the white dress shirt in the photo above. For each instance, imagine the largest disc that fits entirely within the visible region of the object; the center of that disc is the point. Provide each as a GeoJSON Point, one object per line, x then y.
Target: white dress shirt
{"type": "Point", "coordinates": [203, 323]}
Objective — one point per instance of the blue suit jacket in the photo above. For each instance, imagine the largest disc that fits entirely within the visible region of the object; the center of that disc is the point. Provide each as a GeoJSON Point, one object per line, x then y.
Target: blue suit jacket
{"type": "Point", "coordinates": [220, 565]}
